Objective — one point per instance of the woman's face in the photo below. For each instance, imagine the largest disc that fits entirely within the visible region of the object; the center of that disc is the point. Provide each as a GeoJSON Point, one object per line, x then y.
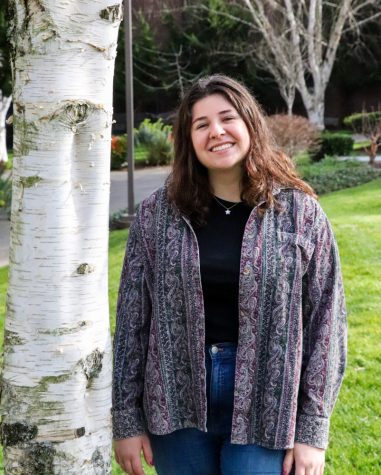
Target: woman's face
{"type": "Point", "coordinates": [219, 135]}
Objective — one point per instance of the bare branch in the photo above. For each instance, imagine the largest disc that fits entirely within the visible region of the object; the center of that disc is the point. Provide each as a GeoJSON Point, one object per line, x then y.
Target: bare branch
{"type": "Point", "coordinates": [295, 41]}
{"type": "Point", "coordinates": [334, 39]}
{"type": "Point", "coordinates": [216, 12]}
{"type": "Point", "coordinates": [357, 24]}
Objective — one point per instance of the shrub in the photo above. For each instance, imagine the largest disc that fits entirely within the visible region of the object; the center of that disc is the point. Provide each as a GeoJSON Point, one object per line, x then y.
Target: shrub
{"type": "Point", "coordinates": [118, 151]}
{"type": "Point", "coordinates": [331, 175]}
{"type": "Point", "coordinates": [294, 134]}
{"type": "Point", "coordinates": [118, 218]}
{"type": "Point", "coordinates": [146, 131]}
{"type": "Point", "coordinates": [334, 144]}
{"type": "Point", "coordinates": [153, 145]}
{"type": "Point", "coordinates": [356, 121]}
{"type": "Point", "coordinates": [160, 151]}
{"type": "Point", "coordinates": [368, 124]}
{"type": "Point", "coordinates": [140, 155]}
{"type": "Point", "coordinates": [5, 190]}
{"type": "Point", "coordinates": [156, 137]}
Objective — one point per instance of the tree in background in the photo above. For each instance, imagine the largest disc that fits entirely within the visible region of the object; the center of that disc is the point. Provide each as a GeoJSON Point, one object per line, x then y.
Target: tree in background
{"type": "Point", "coordinates": [211, 39]}
{"type": "Point", "coordinates": [301, 40]}
{"type": "Point", "coordinates": [5, 86]}
{"type": "Point", "coordinates": [198, 42]}
{"type": "Point", "coordinates": [158, 68]}
{"type": "Point", "coordinates": [56, 382]}
{"type": "Point", "coordinates": [211, 36]}
{"type": "Point", "coordinates": [287, 87]}
{"type": "Point", "coordinates": [358, 63]}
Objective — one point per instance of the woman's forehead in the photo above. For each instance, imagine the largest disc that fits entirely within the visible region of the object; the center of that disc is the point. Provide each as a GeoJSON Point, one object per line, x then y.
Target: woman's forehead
{"type": "Point", "coordinates": [211, 104]}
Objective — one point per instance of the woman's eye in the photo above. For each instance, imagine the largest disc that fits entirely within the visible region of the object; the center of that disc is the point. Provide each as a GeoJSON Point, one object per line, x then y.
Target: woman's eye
{"type": "Point", "coordinates": [200, 126]}
{"type": "Point", "coordinates": [228, 118]}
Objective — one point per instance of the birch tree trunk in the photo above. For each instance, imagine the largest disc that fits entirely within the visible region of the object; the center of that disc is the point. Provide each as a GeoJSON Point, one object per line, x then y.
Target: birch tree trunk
{"type": "Point", "coordinates": [5, 103]}
{"type": "Point", "coordinates": [56, 394]}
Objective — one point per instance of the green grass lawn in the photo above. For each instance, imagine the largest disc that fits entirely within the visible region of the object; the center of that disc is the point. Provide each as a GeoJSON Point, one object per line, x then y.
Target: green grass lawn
{"type": "Point", "coordinates": [355, 445]}
{"type": "Point", "coordinates": [355, 214]}
{"type": "Point", "coordinates": [359, 146]}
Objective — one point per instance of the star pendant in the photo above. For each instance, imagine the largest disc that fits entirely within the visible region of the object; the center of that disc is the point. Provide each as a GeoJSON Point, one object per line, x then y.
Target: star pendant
{"type": "Point", "coordinates": [227, 211]}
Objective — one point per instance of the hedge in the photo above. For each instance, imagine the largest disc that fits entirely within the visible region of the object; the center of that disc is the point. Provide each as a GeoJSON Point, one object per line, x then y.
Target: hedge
{"type": "Point", "coordinates": [331, 175]}
{"type": "Point", "coordinates": [334, 143]}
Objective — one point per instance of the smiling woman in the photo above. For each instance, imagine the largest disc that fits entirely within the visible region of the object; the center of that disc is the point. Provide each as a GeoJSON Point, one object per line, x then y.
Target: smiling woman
{"type": "Point", "coordinates": [219, 111]}
{"type": "Point", "coordinates": [230, 343]}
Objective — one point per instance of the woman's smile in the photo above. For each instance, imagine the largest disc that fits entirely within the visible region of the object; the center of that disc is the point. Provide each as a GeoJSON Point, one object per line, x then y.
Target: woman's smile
{"type": "Point", "coordinates": [222, 147]}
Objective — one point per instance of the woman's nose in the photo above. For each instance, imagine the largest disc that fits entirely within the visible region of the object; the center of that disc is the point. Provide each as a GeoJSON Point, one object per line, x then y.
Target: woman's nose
{"type": "Point", "coordinates": [216, 130]}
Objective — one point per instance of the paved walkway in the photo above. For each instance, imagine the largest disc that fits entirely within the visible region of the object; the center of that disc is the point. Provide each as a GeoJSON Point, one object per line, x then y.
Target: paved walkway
{"type": "Point", "coordinates": [362, 158]}
{"type": "Point", "coordinates": [146, 180]}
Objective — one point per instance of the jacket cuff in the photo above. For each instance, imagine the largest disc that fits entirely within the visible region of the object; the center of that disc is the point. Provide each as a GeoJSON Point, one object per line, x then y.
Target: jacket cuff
{"type": "Point", "coordinates": [312, 430]}
{"type": "Point", "coordinates": [128, 423]}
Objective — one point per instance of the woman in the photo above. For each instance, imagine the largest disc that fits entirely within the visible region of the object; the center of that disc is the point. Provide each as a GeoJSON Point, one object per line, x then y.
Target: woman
{"type": "Point", "coordinates": [231, 329]}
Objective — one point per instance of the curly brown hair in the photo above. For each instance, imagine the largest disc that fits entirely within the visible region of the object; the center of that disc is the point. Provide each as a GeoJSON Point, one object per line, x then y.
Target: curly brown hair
{"type": "Point", "coordinates": [265, 167]}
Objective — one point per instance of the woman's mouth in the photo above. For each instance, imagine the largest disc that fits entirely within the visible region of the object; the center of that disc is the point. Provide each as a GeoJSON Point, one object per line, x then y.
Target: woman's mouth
{"type": "Point", "coordinates": [219, 148]}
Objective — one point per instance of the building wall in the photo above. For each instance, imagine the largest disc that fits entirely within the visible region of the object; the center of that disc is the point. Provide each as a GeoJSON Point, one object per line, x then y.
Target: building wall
{"type": "Point", "coordinates": [340, 103]}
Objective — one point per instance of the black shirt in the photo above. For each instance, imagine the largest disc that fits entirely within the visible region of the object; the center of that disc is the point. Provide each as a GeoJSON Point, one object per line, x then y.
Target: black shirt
{"type": "Point", "coordinates": [219, 244]}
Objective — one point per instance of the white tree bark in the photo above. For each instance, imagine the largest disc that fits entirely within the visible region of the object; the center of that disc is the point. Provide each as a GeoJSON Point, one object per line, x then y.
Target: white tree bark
{"type": "Point", "coordinates": [286, 83]}
{"type": "Point", "coordinates": [5, 103]}
{"type": "Point", "coordinates": [56, 394]}
{"type": "Point", "coordinates": [301, 39]}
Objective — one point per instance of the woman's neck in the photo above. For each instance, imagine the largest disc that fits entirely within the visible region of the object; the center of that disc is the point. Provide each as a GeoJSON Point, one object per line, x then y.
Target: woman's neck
{"type": "Point", "coordinates": [226, 186]}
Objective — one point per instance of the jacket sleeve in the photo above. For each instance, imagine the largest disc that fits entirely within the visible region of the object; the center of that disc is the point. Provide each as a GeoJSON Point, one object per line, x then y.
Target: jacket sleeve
{"type": "Point", "coordinates": [324, 338]}
{"type": "Point", "coordinates": [131, 341]}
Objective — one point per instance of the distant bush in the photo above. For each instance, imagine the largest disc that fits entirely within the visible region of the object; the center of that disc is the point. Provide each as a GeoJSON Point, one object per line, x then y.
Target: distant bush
{"type": "Point", "coordinates": [156, 137]}
{"type": "Point", "coordinates": [334, 144]}
{"type": "Point", "coordinates": [369, 125]}
{"type": "Point", "coordinates": [118, 151]}
{"type": "Point", "coordinates": [153, 145]}
{"type": "Point", "coordinates": [5, 190]}
{"type": "Point", "coordinates": [331, 175]}
{"type": "Point", "coordinates": [356, 120]}
{"type": "Point", "coordinates": [294, 134]}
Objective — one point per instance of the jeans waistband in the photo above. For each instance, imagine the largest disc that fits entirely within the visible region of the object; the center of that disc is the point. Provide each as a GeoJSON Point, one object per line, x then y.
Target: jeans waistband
{"type": "Point", "coordinates": [221, 349]}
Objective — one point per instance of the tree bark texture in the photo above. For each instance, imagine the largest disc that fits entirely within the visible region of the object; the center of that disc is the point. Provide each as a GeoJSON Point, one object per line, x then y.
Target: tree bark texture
{"type": "Point", "coordinates": [56, 394]}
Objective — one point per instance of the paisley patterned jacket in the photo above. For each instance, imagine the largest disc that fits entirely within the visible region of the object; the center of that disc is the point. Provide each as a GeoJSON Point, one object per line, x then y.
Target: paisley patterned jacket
{"type": "Point", "coordinates": [291, 351]}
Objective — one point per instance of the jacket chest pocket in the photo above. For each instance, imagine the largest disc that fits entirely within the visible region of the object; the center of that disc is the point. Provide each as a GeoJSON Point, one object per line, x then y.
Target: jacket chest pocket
{"type": "Point", "coordinates": [293, 252]}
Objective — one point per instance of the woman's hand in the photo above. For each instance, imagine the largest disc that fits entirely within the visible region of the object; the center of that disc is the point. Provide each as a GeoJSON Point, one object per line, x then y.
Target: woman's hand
{"type": "Point", "coordinates": [127, 453]}
{"type": "Point", "coordinates": [308, 460]}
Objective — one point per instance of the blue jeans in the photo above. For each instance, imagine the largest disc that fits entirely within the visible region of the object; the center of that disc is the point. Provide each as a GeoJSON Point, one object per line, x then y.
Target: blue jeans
{"type": "Point", "coordinates": [193, 452]}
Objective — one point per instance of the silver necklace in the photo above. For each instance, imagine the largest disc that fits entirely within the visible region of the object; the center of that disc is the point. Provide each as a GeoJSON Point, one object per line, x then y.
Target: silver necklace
{"type": "Point", "coordinates": [227, 209]}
